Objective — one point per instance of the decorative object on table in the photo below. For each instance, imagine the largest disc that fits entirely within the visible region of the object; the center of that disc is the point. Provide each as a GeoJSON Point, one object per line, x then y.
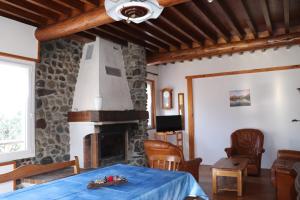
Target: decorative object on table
{"type": "Point", "coordinates": [166, 95]}
{"type": "Point", "coordinates": [181, 108]}
{"type": "Point", "coordinates": [240, 98]}
{"type": "Point", "coordinates": [107, 181]}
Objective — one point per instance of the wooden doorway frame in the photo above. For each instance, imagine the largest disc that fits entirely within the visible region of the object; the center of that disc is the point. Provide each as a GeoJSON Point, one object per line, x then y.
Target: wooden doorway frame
{"type": "Point", "coordinates": [189, 80]}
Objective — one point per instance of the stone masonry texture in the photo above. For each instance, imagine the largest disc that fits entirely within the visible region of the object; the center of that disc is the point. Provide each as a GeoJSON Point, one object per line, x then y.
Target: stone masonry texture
{"type": "Point", "coordinates": [135, 65]}
{"type": "Point", "coordinates": [55, 80]}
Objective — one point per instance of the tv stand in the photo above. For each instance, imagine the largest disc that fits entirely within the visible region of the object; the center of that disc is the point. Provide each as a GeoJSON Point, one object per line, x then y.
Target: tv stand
{"type": "Point", "coordinates": [164, 137]}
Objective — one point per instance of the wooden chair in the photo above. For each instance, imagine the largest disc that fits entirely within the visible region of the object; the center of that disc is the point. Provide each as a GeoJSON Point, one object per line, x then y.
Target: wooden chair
{"type": "Point", "coordinates": [168, 162]}
{"type": "Point", "coordinates": [32, 170]}
{"type": "Point", "coordinates": [5, 168]}
{"type": "Point", "coordinates": [165, 150]}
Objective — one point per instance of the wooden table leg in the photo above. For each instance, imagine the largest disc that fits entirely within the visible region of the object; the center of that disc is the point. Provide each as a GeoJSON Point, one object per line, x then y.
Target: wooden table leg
{"type": "Point", "coordinates": [239, 183]}
{"type": "Point", "coordinates": [214, 182]}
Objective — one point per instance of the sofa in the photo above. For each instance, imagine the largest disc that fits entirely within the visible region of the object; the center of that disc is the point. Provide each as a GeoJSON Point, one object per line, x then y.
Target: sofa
{"type": "Point", "coordinates": [283, 175]}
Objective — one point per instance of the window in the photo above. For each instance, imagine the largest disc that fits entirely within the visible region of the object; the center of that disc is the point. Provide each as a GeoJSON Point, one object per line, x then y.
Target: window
{"type": "Point", "coordinates": [151, 103]}
{"type": "Point", "coordinates": [16, 110]}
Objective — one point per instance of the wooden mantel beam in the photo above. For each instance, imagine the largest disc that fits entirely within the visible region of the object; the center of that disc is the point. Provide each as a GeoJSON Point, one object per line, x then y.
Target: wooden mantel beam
{"type": "Point", "coordinates": [221, 49]}
{"type": "Point", "coordinates": [84, 21]}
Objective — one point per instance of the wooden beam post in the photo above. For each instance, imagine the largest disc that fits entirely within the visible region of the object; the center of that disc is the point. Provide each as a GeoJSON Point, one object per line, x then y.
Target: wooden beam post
{"type": "Point", "coordinates": [191, 118]}
{"type": "Point", "coordinates": [82, 22]}
{"type": "Point", "coordinates": [221, 49]}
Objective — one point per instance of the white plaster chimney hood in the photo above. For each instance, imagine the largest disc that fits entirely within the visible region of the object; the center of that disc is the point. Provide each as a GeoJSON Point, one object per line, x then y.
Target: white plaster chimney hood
{"type": "Point", "coordinates": [102, 76]}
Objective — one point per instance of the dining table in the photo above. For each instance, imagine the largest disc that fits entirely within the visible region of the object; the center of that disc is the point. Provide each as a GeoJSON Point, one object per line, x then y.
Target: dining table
{"type": "Point", "coordinates": [142, 184]}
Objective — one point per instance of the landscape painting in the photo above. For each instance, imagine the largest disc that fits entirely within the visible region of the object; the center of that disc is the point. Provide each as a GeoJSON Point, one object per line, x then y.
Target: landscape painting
{"type": "Point", "coordinates": [240, 98]}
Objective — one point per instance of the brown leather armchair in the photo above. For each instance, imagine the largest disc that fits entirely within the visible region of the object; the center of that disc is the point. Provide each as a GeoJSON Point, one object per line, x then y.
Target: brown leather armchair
{"type": "Point", "coordinates": [247, 143]}
{"type": "Point", "coordinates": [157, 147]}
{"type": "Point", "coordinates": [283, 175]}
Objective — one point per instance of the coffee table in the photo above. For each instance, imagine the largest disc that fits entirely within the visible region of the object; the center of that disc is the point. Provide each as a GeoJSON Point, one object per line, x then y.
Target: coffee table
{"type": "Point", "coordinates": [230, 167]}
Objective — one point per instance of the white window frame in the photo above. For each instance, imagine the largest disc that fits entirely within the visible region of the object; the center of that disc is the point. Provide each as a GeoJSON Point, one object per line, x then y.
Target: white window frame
{"type": "Point", "coordinates": [153, 104]}
{"type": "Point", "coordinates": [30, 137]}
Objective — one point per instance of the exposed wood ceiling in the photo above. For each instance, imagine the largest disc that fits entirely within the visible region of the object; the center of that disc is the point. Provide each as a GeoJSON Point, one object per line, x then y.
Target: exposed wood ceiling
{"type": "Point", "coordinates": [188, 30]}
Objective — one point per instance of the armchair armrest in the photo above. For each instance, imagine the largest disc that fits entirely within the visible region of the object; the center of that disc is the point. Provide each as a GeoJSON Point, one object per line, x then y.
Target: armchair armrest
{"type": "Point", "coordinates": [229, 151]}
{"type": "Point", "coordinates": [192, 166]}
{"type": "Point", "coordinates": [288, 154]}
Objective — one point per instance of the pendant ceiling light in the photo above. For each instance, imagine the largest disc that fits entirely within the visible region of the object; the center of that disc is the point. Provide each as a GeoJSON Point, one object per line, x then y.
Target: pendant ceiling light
{"type": "Point", "coordinates": [135, 11]}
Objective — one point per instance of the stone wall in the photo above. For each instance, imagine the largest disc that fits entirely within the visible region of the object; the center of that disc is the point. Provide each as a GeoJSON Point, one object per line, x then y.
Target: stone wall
{"type": "Point", "coordinates": [135, 65]}
{"type": "Point", "coordinates": [56, 77]}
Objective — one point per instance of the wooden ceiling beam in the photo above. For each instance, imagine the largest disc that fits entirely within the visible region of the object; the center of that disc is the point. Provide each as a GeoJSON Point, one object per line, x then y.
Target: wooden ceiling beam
{"type": "Point", "coordinates": [151, 33]}
{"type": "Point", "coordinates": [84, 21]}
{"type": "Point", "coordinates": [121, 35]}
{"type": "Point", "coordinates": [209, 17]}
{"type": "Point", "coordinates": [134, 38]}
{"type": "Point", "coordinates": [221, 49]}
{"type": "Point", "coordinates": [194, 26]}
{"type": "Point", "coordinates": [266, 13]}
{"type": "Point", "coordinates": [91, 2]}
{"type": "Point", "coordinates": [229, 18]}
{"type": "Point", "coordinates": [6, 8]}
{"type": "Point", "coordinates": [19, 19]}
{"type": "Point", "coordinates": [54, 7]}
{"type": "Point", "coordinates": [72, 4]}
{"type": "Point", "coordinates": [106, 36]}
{"type": "Point", "coordinates": [166, 33]}
{"type": "Point", "coordinates": [249, 21]}
{"type": "Point", "coordinates": [32, 8]}
{"type": "Point", "coordinates": [179, 29]}
{"type": "Point", "coordinates": [141, 35]}
{"type": "Point", "coordinates": [286, 12]}
{"type": "Point", "coordinates": [83, 37]}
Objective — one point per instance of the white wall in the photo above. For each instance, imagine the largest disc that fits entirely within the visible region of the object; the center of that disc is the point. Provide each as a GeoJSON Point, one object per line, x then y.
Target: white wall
{"type": "Point", "coordinates": [17, 38]}
{"type": "Point", "coordinates": [274, 103]}
{"type": "Point", "coordinates": [265, 96]}
{"type": "Point", "coordinates": [93, 82]}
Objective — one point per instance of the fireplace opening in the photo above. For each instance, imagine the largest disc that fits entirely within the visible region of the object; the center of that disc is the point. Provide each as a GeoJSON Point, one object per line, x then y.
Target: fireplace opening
{"type": "Point", "coordinates": [112, 145]}
{"type": "Point", "coordinates": [108, 146]}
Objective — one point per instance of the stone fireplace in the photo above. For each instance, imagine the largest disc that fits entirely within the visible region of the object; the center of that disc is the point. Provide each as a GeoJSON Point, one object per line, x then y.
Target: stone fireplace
{"type": "Point", "coordinates": [116, 75]}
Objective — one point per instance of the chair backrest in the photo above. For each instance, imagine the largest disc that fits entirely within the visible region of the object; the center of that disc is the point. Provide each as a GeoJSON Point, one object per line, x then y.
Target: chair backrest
{"type": "Point", "coordinates": [163, 155]}
{"type": "Point", "coordinates": [247, 141]}
{"type": "Point", "coordinates": [32, 170]}
{"type": "Point", "coordinates": [168, 162]}
{"type": "Point", "coordinates": [10, 185]}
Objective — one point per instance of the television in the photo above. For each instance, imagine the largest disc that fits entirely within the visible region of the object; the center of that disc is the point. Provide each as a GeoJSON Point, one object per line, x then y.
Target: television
{"type": "Point", "coordinates": [168, 123]}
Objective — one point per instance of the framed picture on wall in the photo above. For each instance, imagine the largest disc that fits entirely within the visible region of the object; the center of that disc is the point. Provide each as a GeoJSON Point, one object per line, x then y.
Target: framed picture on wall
{"type": "Point", "coordinates": [240, 98]}
{"type": "Point", "coordinates": [166, 96]}
{"type": "Point", "coordinates": [181, 108]}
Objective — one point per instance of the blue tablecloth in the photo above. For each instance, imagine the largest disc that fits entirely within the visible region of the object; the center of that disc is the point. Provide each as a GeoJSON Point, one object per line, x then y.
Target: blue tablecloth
{"type": "Point", "coordinates": [143, 184]}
